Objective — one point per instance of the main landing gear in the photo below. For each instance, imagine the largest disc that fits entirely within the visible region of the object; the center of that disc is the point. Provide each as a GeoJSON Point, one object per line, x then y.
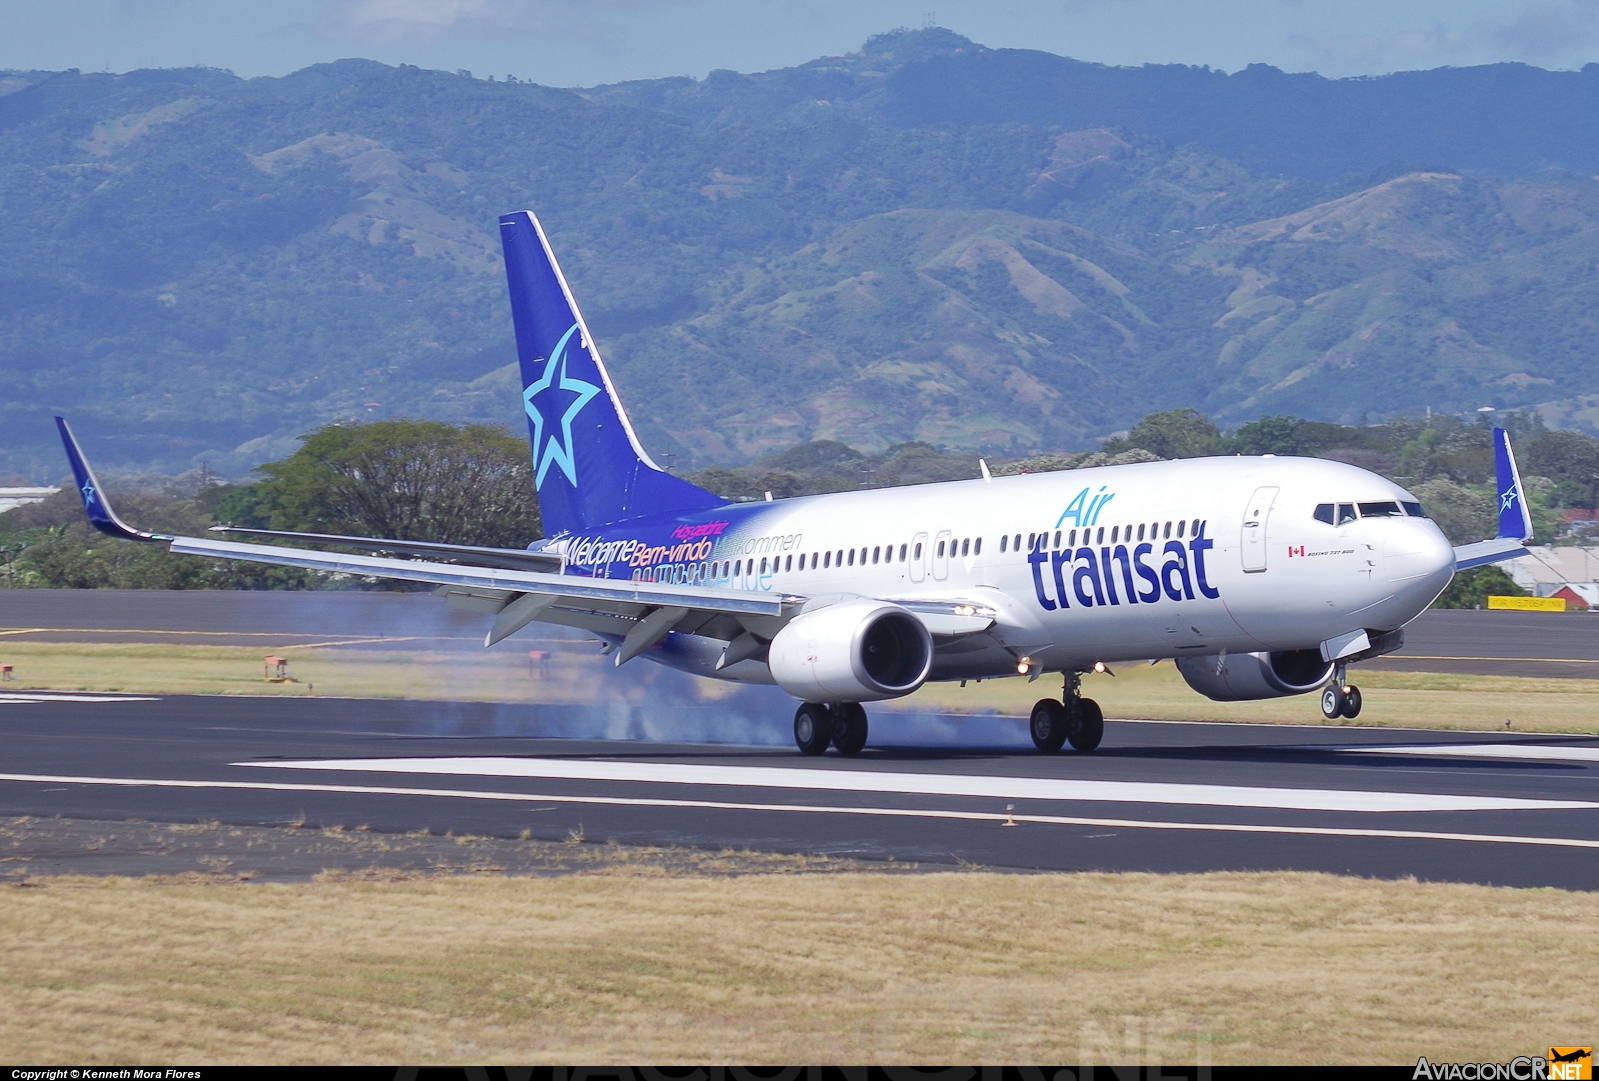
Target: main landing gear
{"type": "Point", "coordinates": [1339, 699]}
{"type": "Point", "coordinates": [818, 724]}
{"type": "Point", "coordinates": [1074, 719]}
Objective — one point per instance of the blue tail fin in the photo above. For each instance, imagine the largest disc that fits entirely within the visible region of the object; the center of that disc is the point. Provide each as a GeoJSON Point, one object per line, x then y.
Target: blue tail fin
{"type": "Point", "coordinates": [1515, 521]}
{"type": "Point", "coordinates": [589, 466]}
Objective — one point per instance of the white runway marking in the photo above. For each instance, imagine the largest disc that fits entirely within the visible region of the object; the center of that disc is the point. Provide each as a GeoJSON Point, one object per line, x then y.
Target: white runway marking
{"type": "Point", "coordinates": [1554, 752]}
{"type": "Point", "coordinates": [790, 808]}
{"type": "Point", "coordinates": [937, 784]}
{"type": "Point", "coordinates": [20, 697]}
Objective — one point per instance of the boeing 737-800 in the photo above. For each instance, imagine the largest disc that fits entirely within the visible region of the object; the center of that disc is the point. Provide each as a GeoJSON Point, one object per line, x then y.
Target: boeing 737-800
{"type": "Point", "coordinates": [1259, 576]}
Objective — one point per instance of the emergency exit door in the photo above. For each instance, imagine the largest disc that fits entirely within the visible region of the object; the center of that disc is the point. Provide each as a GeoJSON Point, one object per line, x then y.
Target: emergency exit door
{"type": "Point", "coordinates": [1255, 518]}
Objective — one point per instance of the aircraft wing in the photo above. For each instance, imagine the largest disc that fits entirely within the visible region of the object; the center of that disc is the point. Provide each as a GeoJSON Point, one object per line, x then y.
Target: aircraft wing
{"type": "Point", "coordinates": [1515, 519]}
{"type": "Point", "coordinates": [510, 558]}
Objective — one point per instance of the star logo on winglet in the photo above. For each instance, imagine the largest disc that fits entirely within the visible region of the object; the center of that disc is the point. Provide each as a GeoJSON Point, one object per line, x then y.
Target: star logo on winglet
{"type": "Point", "coordinates": [545, 399]}
{"type": "Point", "coordinates": [88, 494]}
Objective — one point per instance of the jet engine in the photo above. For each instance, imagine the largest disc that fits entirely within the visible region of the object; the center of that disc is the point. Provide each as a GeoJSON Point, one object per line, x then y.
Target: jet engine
{"type": "Point", "coordinates": [1240, 677]}
{"type": "Point", "coordinates": [855, 650]}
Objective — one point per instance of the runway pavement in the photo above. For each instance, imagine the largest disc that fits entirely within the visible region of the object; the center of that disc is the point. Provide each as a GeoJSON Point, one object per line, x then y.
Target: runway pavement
{"type": "Point", "coordinates": [1158, 796]}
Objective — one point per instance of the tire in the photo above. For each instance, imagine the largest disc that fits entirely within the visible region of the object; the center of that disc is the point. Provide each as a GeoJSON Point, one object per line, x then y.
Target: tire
{"type": "Point", "coordinates": [1352, 703]}
{"type": "Point", "coordinates": [1048, 725]}
{"type": "Point", "coordinates": [1087, 726]}
{"type": "Point", "coordinates": [1332, 702]}
{"type": "Point", "coordinates": [849, 727]}
{"type": "Point", "coordinates": [813, 728]}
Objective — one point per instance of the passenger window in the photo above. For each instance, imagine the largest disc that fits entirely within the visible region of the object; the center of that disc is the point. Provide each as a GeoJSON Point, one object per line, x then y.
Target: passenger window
{"type": "Point", "coordinates": [1003, 538]}
{"type": "Point", "coordinates": [1346, 513]}
{"type": "Point", "coordinates": [1032, 541]}
{"type": "Point", "coordinates": [918, 554]}
{"type": "Point", "coordinates": [977, 548]}
{"type": "Point", "coordinates": [1072, 542]}
{"type": "Point", "coordinates": [1180, 527]}
{"type": "Point", "coordinates": [1140, 531]}
{"type": "Point", "coordinates": [1168, 530]}
{"type": "Point", "coordinates": [1193, 530]}
{"type": "Point", "coordinates": [1115, 530]}
{"type": "Point", "coordinates": [1100, 536]}
{"type": "Point", "coordinates": [1057, 538]}
{"type": "Point", "coordinates": [827, 559]}
{"type": "Point", "coordinates": [763, 564]}
{"type": "Point", "coordinates": [1414, 510]}
{"type": "Point", "coordinates": [1324, 513]}
{"type": "Point", "coordinates": [902, 553]}
{"type": "Point", "coordinates": [940, 549]}
{"type": "Point", "coordinates": [966, 547]}
{"type": "Point", "coordinates": [788, 564]}
{"type": "Point", "coordinates": [875, 553]}
{"type": "Point", "coordinates": [852, 557]}
{"type": "Point", "coordinates": [1387, 508]}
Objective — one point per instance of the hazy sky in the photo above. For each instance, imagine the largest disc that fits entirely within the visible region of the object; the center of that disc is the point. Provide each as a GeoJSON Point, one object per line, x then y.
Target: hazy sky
{"type": "Point", "coordinates": [585, 42]}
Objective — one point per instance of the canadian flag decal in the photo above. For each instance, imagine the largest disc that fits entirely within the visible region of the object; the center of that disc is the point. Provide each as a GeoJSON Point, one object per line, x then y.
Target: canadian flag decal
{"type": "Point", "coordinates": [1292, 551]}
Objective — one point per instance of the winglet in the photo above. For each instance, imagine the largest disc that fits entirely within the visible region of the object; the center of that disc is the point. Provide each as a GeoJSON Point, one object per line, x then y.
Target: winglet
{"type": "Point", "coordinates": [1515, 520]}
{"type": "Point", "coordinates": [95, 503]}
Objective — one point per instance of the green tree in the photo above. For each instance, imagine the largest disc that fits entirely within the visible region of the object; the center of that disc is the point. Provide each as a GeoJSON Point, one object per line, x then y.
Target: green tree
{"type": "Point", "coordinates": [407, 480]}
{"type": "Point", "coordinates": [1269, 435]}
{"type": "Point", "coordinates": [1471, 589]}
{"type": "Point", "coordinates": [1178, 433]}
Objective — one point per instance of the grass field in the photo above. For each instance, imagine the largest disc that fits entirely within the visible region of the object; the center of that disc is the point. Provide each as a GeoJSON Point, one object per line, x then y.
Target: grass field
{"type": "Point", "coordinates": [619, 965]}
{"type": "Point", "coordinates": [1410, 699]}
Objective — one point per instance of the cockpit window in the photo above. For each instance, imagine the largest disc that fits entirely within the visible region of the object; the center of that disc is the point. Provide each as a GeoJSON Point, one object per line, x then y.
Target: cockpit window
{"type": "Point", "coordinates": [1387, 508]}
{"type": "Point", "coordinates": [1324, 513]}
{"type": "Point", "coordinates": [1346, 513]}
{"type": "Point", "coordinates": [1414, 510]}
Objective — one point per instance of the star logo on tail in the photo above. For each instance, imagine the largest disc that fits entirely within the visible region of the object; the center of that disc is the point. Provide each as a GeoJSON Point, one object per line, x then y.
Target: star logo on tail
{"type": "Point", "coordinates": [544, 399]}
{"type": "Point", "coordinates": [1507, 499]}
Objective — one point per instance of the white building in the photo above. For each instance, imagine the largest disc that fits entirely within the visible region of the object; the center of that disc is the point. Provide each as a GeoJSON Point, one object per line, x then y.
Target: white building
{"type": "Point", "coordinates": [11, 498]}
{"type": "Point", "coordinates": [1543, 572]}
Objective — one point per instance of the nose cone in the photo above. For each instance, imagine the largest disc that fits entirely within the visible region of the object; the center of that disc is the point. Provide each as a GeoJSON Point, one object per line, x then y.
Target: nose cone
{"type": "Point", "coordinates": [1420, 564]}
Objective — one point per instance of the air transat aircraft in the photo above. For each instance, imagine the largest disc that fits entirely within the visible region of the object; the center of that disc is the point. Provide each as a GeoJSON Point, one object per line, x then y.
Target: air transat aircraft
{"type": "Point", "coordinates": [1261, 576]}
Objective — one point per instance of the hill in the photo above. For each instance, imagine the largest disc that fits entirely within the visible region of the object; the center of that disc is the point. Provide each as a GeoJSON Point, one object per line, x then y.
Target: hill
{"type": "Point", "coordinates": [201, 268]}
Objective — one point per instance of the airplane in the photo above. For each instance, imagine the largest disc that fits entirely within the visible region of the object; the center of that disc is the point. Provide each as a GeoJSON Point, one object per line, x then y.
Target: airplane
{"type": "Point", "coordinates": [1261, 577]}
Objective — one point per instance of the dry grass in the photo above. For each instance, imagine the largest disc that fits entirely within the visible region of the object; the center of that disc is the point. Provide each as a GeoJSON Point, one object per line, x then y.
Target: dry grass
{"type": "Point", "coordinates": [945, 967]}
{"type": "Point", "coordinates": [1408, 699]}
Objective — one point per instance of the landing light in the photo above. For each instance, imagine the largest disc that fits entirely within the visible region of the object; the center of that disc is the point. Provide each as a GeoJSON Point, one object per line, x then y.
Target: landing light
{"type": "Point", "coordinates": [1024, 666]}
{"type": "Point", "coordinates": [1099, 668]}
{"type": "Point", "coordinates": [965, 610]}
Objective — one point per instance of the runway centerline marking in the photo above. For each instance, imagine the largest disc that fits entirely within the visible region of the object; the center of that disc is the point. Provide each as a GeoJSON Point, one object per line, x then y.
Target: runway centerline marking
{"type": "Point", "coordinates": [789, 808]}
{"type": "Point", "coordinates": [1549, 752]}
{"type": "Point", "coordinates": [12, 696]}
{"type": "Point", "coordinates": [935, 784]}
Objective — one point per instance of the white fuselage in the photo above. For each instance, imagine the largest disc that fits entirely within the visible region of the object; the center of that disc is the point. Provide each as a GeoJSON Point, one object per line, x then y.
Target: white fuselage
{"type": "Point", "coordinates": [1195, 556]}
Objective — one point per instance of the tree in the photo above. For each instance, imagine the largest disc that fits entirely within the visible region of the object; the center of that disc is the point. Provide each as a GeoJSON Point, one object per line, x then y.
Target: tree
{"type": "Point", "coordinates": [1464, 514]}
{"type": "Point", "coordinates": [1269, 435]}
{"type": "Point", "coordinates": [407, 480]}
{"type": "Point", "coordinates": [1471, 589]}
{"type": "Point", "coordinates": [1178, 433]}
{"type": "Point", "coordinates": [1569, 459]}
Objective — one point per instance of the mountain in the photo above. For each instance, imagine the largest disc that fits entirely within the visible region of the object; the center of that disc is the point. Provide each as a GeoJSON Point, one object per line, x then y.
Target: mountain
{"type": "Point", "coordinates": [925, 240]}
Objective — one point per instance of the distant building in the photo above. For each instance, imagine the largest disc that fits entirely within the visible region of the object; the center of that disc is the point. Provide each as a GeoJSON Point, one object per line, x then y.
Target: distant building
{"type": "Point", "coordinates": [12, 498]}
{"type": "Point", "coordinates": [1546, 571]}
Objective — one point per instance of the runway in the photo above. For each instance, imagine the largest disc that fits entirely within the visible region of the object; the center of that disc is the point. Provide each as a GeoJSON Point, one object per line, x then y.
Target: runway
{"type": "Point", "coordinates": [1158, 796]}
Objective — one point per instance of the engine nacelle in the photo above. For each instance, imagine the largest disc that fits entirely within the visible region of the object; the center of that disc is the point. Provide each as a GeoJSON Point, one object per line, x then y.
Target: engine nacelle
{"type": "Point", "coordinates": [853, 651]}
{"type": "Point", "coordinates": [1240, 677]}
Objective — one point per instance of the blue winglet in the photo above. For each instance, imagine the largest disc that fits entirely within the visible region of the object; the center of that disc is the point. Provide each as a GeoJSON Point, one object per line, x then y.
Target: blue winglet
{"type": "Point", "coordinates": [95, 503]}
{"type": "Point", "coordinates": [1515, 520]}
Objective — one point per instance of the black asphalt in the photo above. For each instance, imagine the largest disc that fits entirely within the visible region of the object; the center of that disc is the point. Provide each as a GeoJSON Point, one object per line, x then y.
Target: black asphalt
{"type": "Point", "coordinates": [200, 739]}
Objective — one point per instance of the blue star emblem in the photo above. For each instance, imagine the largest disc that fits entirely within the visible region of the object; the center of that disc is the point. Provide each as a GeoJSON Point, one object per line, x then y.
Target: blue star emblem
{"type": "Point", "coordinates": [555, 381]}
{"type": "Point", "coordinates": [1507, 499]}
{"type": "Point", "coordinates": [88, 494]}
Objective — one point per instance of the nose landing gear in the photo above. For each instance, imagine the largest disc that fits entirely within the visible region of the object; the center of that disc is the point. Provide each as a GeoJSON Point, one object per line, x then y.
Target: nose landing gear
{"type": "Point", "coordinates": [1340, 699]}
{"type": "Point", "coordinates": [1075, 720]}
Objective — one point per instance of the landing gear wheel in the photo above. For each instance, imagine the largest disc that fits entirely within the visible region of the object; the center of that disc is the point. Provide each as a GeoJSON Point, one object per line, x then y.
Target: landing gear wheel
{"type": "Point", "coordinates": [1332, 702]}
{"type": "Point", "coordinates": [1352, 702]}
{"type": "Point", "coordinates": [1049, 725]}
{"type": "Point", "coordinates": [813, 727]}
{"type": "Point", "coordinates": [1086, 725]}
{"type": "Point", "coordinates": [849, 727]}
